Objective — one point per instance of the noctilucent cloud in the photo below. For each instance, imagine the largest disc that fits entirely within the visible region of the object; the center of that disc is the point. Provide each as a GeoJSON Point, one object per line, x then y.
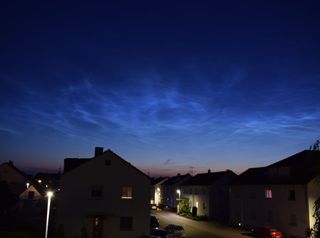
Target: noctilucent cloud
{"type": "Point", "coordinates": [171, 86]}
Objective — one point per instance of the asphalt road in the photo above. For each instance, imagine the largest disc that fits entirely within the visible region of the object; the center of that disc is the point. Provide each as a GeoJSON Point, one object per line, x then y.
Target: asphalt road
{"type": "Point", "coordinates": [197, 229]}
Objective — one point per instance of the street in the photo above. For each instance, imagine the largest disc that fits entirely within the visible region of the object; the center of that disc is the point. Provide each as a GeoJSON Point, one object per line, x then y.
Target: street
{"type": "Point", "coordinates": [197, 229]}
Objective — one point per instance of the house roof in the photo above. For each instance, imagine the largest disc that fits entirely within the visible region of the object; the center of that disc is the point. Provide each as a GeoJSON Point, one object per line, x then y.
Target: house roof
{"type": "Point", "coordinates": [299, 168]}
{"type": "Point", "coordinates": [207, 179]}
{"type": "Point", "coordinates": [176, 180]}
{"type": "Point", "coordinates": [73, 163]}
{"type": "Point", "coordinates": [158, 181]}
{"type": "Point", "coordinates": [10, 164]}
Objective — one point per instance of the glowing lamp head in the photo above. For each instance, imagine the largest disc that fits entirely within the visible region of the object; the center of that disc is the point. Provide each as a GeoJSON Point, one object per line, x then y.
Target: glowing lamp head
{"type": "Point", "coordinates": [178, 191]}
{"type": "Point", "coordinates": [49, 193]}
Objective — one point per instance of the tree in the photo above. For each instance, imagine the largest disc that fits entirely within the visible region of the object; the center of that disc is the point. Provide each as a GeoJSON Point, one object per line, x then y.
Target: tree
{"type": "Point", "coordinates": [60, 232]}
{"type": "Point", "coordinates": [184, 208]}
{"type": "Point", "coordinates": [84, 233]}
{"type": "Point", "coordinates": [315, 146]}
{"type": "Point", "coordinates": [315, 231]}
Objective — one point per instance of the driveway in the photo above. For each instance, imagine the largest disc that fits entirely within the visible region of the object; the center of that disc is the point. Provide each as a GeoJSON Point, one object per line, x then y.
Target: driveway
{"type": "Point", "coordinates": [197, 229]}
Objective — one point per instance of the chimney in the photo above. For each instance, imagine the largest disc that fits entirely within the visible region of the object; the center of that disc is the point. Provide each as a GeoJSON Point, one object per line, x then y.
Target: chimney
{"type": "Point", "coordinates": [98, 151]}
{"type": "Point", "coordinates": [209, 171]}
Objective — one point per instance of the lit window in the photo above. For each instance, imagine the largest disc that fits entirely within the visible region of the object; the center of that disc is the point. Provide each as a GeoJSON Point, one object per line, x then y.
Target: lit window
{"type": "Point", "coordinates": [126, 192]}
{"type": "Point", "coordinates": [125, 223]}
{"type": "Point", "coordinates": [97, 192]}
{"type": "Point", "coordinates": [268, 194]}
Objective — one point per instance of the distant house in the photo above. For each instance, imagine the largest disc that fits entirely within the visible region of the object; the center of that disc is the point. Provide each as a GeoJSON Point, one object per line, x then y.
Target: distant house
{"type": "Point", "coordinates": [106, 195]}
{"type": "Point", "coordinates": [32, 195]}
{"type": "Point", "coordinates": [208, 194]}
{"type": "Point", "coordinates": [280, 195]}
{"type": "Point", "coordinates": [156, 190]}
{"type": "Point", "coordinates": [168, 190]}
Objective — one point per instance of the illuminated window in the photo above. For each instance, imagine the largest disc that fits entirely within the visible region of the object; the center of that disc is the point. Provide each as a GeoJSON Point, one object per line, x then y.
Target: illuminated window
{"type": "Point", "coordinates": [126, 192]}
{"type": "Point", "coordinates": [125, 223]}
{"type": "Point", "coordinates": [268, 194]}
{"type": "Point", "coordinates": [97, 192]}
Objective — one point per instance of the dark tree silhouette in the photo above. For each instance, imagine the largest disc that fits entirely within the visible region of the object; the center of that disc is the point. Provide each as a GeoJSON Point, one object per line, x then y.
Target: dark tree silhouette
{"type": "Point", "coordinates": [315, 146]}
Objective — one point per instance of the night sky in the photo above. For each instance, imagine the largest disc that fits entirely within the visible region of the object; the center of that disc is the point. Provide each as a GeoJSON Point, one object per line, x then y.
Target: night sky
{"type": "Point", "coordinates": [170, 86]}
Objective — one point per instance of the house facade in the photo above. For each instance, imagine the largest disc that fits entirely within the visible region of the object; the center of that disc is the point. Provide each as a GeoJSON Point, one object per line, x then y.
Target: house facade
{"type": "Point", "coordinates": [281, 195]}
{"type": "Point", "coordinates": [208, 194]}
{"type": "Point", "coordinates": [156, 190]}
{"type": "Point", "coordinates": [167, 191]}
{"type": "Point", "coordinates": [106, 195]}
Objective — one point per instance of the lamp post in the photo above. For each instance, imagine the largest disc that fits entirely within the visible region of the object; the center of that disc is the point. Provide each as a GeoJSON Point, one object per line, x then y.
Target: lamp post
{"type": "Point", "coordinates": [179, 193]}
{"type": "Point", "coordinates": [49, 195]}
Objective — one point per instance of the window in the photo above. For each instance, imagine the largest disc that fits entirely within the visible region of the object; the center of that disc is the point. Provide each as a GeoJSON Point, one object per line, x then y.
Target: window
{"type": "Point", "coordinates": [253, 195]}
{"type": "Point", "coordinates": [125, 223]}
{"type": "Point", "coordinates": [270, 216]}
{"type": "Point", "coordinates": [203, 206]}
{"type": "Point", "coordinates": [293, 220]}
{"type": "Point", "coordinates": [253, 215]}
{"type": "Point", "coordinates": [97, 192]}
{"type": "Point", "coordinates": [268, 194]}
{"type": "Point", "coordinates": [126, 192]}
{"type": "Point", "coordinates": [31, 195]}
{"type": "Point", "coordinates": [292, 195]}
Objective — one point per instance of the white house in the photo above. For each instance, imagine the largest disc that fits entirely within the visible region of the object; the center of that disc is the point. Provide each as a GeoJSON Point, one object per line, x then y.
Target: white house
{"type": "Point", "coordinates": [167, 191]}
{"type": "Point", "coordinates": [156, 190]}
{"type": "Point", "coordinates": [281, 195]}
{"type": "Point", "coordinates": [208, 193]}
{"type": "Point", "coordinates": [106, 195]}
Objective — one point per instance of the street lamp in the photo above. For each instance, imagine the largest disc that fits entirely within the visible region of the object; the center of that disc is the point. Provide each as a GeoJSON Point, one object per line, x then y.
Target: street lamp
{"type": "Point", "coordinates": [49, 195]}
{"type": "Point", "coordinates": [179, 193]}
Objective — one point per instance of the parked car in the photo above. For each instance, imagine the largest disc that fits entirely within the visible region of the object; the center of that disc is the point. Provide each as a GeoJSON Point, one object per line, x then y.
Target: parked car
{"type": "Point", "coordinates": [159, 232]}
{"type": "Point", "coordinates": [154, 222]}
{"type": "Point", "coordinates": [266, 232]}
{"type": "Point", "coordinates": [153, 206]}
{"type": "Point", "coordinates": [175, 231]}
